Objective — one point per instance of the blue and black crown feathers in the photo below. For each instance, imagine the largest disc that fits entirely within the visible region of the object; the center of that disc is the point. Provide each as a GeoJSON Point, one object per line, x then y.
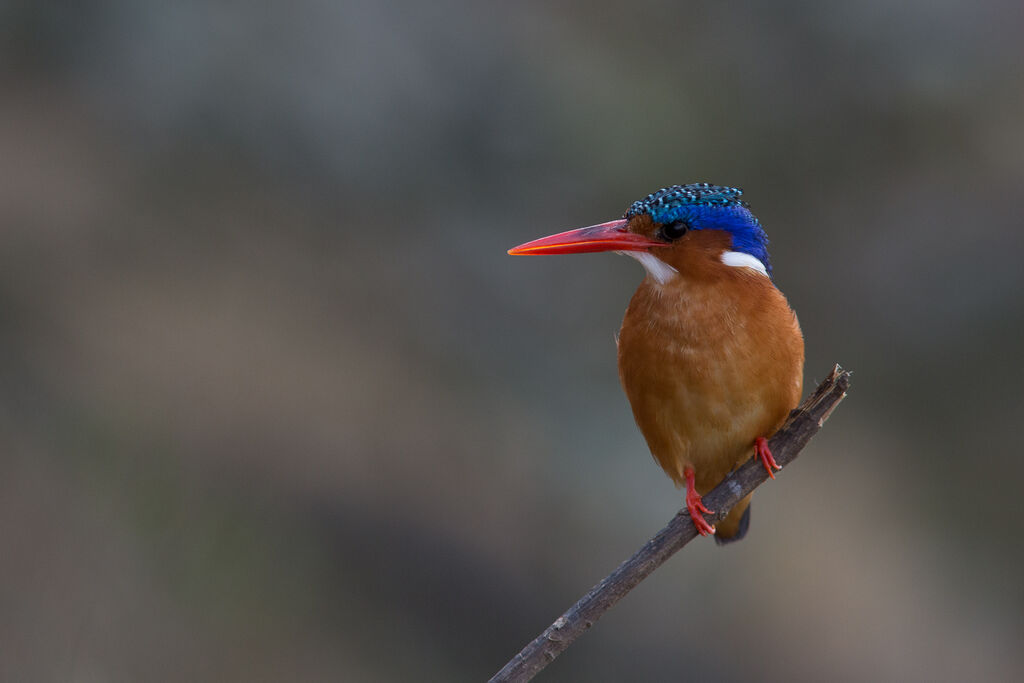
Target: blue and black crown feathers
{"type": "Point", "coordinates": [661, 204]}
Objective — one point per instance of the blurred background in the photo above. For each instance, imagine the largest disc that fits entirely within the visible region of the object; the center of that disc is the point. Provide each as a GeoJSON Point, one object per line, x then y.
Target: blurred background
{"type": "Point", "coordinates": [276, 405]}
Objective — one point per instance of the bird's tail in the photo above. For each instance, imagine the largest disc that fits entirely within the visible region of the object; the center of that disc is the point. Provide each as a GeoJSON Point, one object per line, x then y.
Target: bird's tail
{"type": "Point", "coordinates": [735, 525]}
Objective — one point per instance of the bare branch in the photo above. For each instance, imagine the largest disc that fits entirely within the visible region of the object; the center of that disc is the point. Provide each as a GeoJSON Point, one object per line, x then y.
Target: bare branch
{"type": "Point", "coordinates": [786, 444]}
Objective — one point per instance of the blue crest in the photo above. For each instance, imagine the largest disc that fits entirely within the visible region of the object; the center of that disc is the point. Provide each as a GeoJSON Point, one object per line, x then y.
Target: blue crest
{"type": "Point", "coordinates": [708, 207]}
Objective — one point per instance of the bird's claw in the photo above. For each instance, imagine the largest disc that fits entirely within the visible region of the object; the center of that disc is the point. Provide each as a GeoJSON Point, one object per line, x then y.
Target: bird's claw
{"type": "Point", "coordinates": [765, 454]}
{"type": "Point", "coordinates": [701, 524]}
{"type": "Point", "coordinates": [696, 506]}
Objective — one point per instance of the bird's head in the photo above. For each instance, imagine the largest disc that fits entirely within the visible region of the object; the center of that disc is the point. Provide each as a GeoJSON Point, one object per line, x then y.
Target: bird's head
{"type": "Point", "coordinates": [674, 229]}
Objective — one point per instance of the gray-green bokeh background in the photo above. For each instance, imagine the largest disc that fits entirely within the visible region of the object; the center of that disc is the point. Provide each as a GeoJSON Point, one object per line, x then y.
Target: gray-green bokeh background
{"type": "Point", "coordinates": [275, 405]}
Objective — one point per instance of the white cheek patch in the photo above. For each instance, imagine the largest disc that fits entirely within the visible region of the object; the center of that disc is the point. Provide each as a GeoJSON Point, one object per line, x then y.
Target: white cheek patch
{"type": "Point", "coordinates": [738, 259]}
{"type": "Point", "coordinates": [655, 267]}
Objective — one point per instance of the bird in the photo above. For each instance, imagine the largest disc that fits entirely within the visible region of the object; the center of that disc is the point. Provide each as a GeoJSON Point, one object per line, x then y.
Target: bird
{"type": "Point", "coordinates": [710, 353]}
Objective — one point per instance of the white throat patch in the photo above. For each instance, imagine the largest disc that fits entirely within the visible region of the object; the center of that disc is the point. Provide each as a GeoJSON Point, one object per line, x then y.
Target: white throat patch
{"type": "Point", "coordinates": [655, 267]}
{"type": "Point", "coordinates": [738, 259]}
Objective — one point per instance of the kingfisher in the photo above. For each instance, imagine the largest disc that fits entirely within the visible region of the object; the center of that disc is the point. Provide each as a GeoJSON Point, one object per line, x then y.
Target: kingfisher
{"type": "Point", "coordinates": [710, 353]}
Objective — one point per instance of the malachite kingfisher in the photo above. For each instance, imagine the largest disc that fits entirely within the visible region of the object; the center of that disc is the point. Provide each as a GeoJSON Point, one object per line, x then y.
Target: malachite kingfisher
{"type": "Point", "coordinates": [710, 354]}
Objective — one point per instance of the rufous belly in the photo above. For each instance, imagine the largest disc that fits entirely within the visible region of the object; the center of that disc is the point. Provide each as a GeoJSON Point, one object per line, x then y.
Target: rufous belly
{"type": "Point", "coordinates": [709, 366]}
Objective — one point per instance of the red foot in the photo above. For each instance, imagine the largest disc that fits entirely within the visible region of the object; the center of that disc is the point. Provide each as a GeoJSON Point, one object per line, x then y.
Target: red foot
{"type": "Point", "coordinates": [765, 453]}
{"type": "Point", "coordinates": [696, 506]}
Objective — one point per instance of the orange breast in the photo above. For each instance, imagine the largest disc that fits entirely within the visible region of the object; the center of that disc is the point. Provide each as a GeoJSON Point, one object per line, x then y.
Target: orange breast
{"type": "Point", "coordinates": [710, 361]}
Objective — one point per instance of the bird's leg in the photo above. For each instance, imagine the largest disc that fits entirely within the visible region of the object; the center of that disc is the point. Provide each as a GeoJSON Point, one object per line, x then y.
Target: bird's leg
{"type": "Point", "coordinates": [695, 505]}
{"type": "Point", "coordinates": [765, 453]}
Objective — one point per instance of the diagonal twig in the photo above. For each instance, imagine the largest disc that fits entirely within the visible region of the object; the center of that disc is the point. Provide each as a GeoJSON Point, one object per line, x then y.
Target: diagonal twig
{"type": "Point", "coordinates": [786, 444]}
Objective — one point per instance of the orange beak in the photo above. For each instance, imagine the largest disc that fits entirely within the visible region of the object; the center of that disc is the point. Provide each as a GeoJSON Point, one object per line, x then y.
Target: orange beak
{"type": "Point", "coordinates": [610, 236]}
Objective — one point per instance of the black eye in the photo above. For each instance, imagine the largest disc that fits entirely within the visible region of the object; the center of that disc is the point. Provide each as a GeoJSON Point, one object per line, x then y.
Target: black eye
{"type": "Point", "coordinates": [673, 231]}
